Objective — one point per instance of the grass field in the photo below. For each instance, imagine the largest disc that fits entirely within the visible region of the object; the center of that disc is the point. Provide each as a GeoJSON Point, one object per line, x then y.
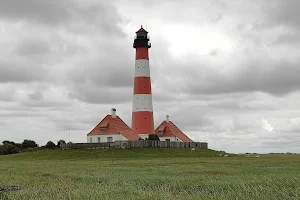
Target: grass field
{"type": "Point", "coordinates": [149, 174]}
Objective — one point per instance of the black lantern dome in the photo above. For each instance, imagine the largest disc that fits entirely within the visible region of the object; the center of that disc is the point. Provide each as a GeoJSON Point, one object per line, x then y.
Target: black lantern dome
{"type": "Point", "coordinates": [141, 39]}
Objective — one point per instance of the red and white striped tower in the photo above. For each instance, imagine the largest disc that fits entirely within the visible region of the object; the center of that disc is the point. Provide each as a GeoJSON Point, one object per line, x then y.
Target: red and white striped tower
{"type": "Point", "coordinates": [142, 110]}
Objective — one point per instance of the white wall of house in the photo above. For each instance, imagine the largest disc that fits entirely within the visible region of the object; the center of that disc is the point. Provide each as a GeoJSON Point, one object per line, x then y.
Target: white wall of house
{"type": "Point", "coordinates": [172, 139]}
{"type": "Point", "coordinates": [144, 136]}
{"type": "Point", "coordinates": [105, 138]}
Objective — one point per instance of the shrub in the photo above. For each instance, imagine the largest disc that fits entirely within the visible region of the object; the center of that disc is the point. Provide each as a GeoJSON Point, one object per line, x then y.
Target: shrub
{"type": "Point", "coordinates": [8, 142]}
{"type": "Point", "coordinates": [153, 137]}
{"type": "Point", "coordinates": [29, 144]}
{"type": "Point", "coordinates": [50, 145]}
{"type": "Point", "coordinates": [6, 149]}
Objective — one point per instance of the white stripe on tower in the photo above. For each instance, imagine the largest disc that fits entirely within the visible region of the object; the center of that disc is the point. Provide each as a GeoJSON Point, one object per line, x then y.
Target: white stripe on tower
{"type": "Point", "coordinates": [142, 102]}
{"type": "Point", "coordinates": [142, 68]}
{"type": "Point", "coordinates": [142, 110]}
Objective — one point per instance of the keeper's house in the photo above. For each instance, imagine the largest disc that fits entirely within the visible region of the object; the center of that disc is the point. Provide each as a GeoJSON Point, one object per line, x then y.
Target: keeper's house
{"type": "Point", "coordinates": [168, 131]}
{"type": "Point", "coordinates": [112, 129]}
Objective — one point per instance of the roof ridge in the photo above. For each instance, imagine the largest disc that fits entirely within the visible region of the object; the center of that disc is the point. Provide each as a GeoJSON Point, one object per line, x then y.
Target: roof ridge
{"type": "Point", "coordinates": [116, 126]}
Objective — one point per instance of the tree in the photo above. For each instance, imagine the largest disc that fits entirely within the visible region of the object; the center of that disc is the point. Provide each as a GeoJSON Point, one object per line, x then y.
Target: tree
{"type": "Point", "coordinates": [50, 145]}
{"type": "Point", "coordinates": [29, 144]}
{"type": "Point", "coordinates": [153, 137]}
{"type": "Point", "coordinates": [8, 142]}
{"type": "Point", "coordinates": [8, 149]}
{"type": "Point", "coordinates": [60, 142]}
{"type": "Point", "coordinates": [18, 145]}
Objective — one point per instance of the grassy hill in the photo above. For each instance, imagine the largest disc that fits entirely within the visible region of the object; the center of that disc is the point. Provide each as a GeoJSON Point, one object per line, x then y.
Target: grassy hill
{"type": "Point", "coordinates": [149, 174]}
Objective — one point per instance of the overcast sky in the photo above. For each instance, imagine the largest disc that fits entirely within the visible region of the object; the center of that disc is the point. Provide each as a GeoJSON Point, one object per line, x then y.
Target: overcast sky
{"type": "Point", "coordinates": [227, 72]}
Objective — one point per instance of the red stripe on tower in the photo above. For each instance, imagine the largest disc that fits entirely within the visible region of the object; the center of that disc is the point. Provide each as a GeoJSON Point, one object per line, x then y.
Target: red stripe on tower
{"type": "Point", "coordinates": [142, 110]}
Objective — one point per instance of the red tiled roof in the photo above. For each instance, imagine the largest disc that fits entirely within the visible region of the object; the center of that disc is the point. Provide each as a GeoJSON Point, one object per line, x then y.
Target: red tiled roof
{"type": "Point", "coordinates": [104, 124]}
{"type": "Point", "coordinates": [171, 130]}
{"type": "Point", "coordinates": [114, 126]}
{"type": "Point", "coordinates": [141, 30]}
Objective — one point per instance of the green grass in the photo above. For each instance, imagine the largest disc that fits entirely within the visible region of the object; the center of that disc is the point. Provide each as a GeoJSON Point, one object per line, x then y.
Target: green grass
{"type": "Point", "coordinates": [149, 174]}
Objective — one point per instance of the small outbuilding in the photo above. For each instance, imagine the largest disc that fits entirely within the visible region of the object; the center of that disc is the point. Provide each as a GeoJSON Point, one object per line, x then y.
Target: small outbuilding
{"type": "Point", "coordinates": [168, 131]}
{"type": "Point", "coordinates": [112, 128]}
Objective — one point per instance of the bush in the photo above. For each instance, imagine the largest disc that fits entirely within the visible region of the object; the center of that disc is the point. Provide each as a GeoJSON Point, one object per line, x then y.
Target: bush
{"type": "Point", "coordinates": [6, 149]}
{"type": "Point", "coordinates": [29, 144]}
{"type": "Point", "coordinates": [50, 145]}
{"type": "Point", "coordinates": [8, 142]}
{"type": "Point", "coordinates": [153, 137]}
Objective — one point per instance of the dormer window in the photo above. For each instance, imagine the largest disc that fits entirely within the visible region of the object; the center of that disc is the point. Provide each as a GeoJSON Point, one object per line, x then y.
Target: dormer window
{"type": "Point", "coordinates": [160, 132]}
{"type": "Point", "coordinates": [104, 125]}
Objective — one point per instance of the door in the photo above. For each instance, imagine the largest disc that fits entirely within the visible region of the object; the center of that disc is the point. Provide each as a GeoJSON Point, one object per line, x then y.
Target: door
{"type": "Point", "coordinates": [168, 143]}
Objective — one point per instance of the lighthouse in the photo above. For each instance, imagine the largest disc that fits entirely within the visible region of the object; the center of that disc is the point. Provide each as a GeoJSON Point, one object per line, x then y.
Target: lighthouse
{"type": "Point", "coordinates": [142, 109]}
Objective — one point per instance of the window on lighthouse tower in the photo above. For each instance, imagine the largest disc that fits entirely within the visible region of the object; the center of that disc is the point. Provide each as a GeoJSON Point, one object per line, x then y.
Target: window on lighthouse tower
{"type": "Point", "coordinates": [141, 34]}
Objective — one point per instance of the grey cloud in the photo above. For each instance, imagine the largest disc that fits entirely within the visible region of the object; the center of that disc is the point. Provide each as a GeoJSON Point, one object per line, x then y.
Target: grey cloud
{"type": "Point", "coordinates": [187, 118]}
{"type": "Point", "coordinates": [21, 70]}
{"type": "Point", "coordinates": [36, 96]}
{"type": "Point", "coordinates": [288, 38]}
{"type": "Point", "coordinates": [45, 103]}
{"type": "Point", "coordinates": [32, 46]}
{"type": "Point", "coordinates": [51, 12]}
{"type": "Point", "coordinates": [96, 14]}
{"type": "Point", "coordinates": [19, 114]}
{"type": "Point", "coordinates": [278, 79]}
{"type": "Point", "coordinates": [284, 13]}
{"type": "Point", "coordinates": [214, 52]}
{"type": "Point", "coordinates": [101, 95]}
{"type": "Point", "coordinates": [7, 93]}
{"type": "Point", "coordinates": [280, 142]}
{"type": "Point", "coordinates": [68, 124]}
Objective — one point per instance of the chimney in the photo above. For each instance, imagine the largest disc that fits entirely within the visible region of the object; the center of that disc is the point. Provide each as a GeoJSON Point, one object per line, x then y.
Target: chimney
{"type": "Point", "coordinates": [167, 118]}
{"type": "Point", "coordinates": [113, 113]}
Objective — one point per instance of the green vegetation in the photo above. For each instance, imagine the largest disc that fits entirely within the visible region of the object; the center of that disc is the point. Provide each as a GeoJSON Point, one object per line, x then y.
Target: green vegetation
{"type": "Point", "coordinates": [149, 174]}
{"type": "Point", "coordinates": [153, 137]}
{"type": "Point", "coordinates": [10, 147]}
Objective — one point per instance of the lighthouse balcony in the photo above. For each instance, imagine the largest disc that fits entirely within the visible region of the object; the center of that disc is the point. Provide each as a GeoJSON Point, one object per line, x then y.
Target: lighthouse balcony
{"type": "Point", "coordinates": [142, 37]}
{"type": "Point", "coordinates": [142, 44]}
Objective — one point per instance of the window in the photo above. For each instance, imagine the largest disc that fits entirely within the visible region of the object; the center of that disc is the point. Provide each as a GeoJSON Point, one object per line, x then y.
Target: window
{"type": "Point", "coordinates": [109, 139]}
{"type": "Point", "coordinates": [160, 132]}
{"type": "Point", "coordinates": [91, 140]}
{"type": "Point", "coordinates": [98, 139]}
{"type": "Point", "coordinates": [167, 140]}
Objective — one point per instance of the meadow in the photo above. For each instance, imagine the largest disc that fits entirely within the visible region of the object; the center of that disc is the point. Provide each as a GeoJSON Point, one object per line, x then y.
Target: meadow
{"type": "Point", "coordinates": [149, 174]}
